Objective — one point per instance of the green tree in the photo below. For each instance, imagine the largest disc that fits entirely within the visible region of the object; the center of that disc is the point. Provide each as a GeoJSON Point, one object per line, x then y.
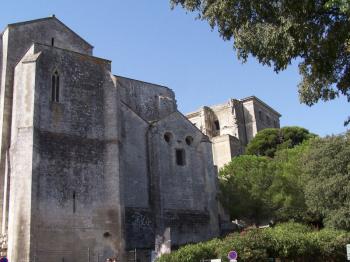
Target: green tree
{"type": "Point", "coordinates": [276, 32]}
{"type": "Point", "coordinates": [257, 188]}
{"type": "Point", "coordinates": [244, 185]}
{"type": "Point", "coordinates": [327, 191]}
{"type": "Point", "coordinates": [268, 141]}
{"type": "Point", "coordinates": [264, 143]}
{"type": "Point", "coordinates": [288, 195]}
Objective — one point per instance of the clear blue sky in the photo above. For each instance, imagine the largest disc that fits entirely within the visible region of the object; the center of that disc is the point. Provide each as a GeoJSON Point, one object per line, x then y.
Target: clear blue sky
{"type": "Point", "coordinates": [148, 41]}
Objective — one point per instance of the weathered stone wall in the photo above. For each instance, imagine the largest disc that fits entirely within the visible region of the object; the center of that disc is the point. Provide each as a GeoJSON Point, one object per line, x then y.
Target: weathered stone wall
{"type": "Point", "coordinates": [139, 222]}
{"type": "Point", "coordinates": [134, 155]}
{"type": "Point", "coordinates": [21, 205]}
{"type": "Point", "coordinates": [187, 192]}
{"type": "Point", "coordinates": [231, 125]}
{"type": "Point", "coordinates": [258, 117]}
{"type": "Point", "coordinates": [225, 116]}
{"type": "Point", "coordinates": [221, 150]}
{"type": "Point", "coordinates": [4, 39]}
{"type": "Point", "coordinates": [240, 123]}
{"type": "Point", "coordinates": [178, 182]}
{"type": "Point", "coordinates": [22, 35]}
{"type": "Point", "coordinates": [158, 192]}
{"type": "Point", "coordinates": [1, 175]}
{"type": "Point", "coordinates": [74, 183]}
{"type": "Point", "coordinates": [207, 118]}
{"type": "Point", "coordinates": [265, 118]}
{"type": "Point", "coordinates": [79, 168]}
{"type": "Point", "coordinates": [225, 147]}
{"type": "Point", "coordinates": [195, 119]}
{"type": "Point", "coordinates": [92, 174]}
{"type": "Point", "coordinates": [16, 40]}
{"type": "Point", "coordinates": [250, 120]}
{"type": "Point", "coordinates": [149, 101]}
{"type": "Point", "coordinates": [236, 147]}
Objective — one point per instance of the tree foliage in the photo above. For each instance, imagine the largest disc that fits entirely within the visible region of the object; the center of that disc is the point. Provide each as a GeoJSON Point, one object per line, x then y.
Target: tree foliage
{"type": "Point", "coordinates": [308, 183]}
{"type": "Point", "coordinates": [267, 141]}
{"type": "Point", "coordinates": [244, 185]}
{"type": "Point", "coordinates": [288, 188]}
{"type": "Point", "coordinates": [257, 188]}
{"type": "Point", "coordinates": [277, 32]}
{"type": "Point", "coordinates": [327, 166]}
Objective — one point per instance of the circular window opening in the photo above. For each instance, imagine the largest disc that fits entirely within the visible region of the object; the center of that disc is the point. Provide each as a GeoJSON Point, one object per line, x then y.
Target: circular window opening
{"type": "Point", "coordinates": [189, 140]}
{"type": "Point", "coordinates": [167, 137]}
{"type": "Point", "coordinates": [106, 234]}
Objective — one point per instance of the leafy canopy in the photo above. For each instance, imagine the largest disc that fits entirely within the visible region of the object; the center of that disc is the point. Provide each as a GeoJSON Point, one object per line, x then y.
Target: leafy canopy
{"type": "Point", "coordinates": [327, 191]}
{"type": "Point", "coordinates": [244, 185]}
{"type": "Point", "coordinates": [276, 32]}
{"type": "Point", "coordinates": [288, 187]}
{"type": "Point", "coordinates": [257, 188]}
{"type": "Point", "coordinates": [267, 141]}
{"type": "Point", "coordinates": [309, 183]}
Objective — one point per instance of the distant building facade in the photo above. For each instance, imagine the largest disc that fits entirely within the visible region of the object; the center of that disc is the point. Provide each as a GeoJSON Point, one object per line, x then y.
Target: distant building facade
{"type": "Point", "coordinates": [230, 126]}
{"type": "Point", "coordinates": [93, 165]}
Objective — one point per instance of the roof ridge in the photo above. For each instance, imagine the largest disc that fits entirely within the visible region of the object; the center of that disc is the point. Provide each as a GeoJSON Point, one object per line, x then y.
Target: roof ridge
{"type": "Point", "coordinates": [145, 82]}
{"type": "Point", "coordinates": [31, 21]}
{"type": "Point", "coordinates": [49, 18]}
{"type": "Point", "coordinates": [253, 97]}
{"type": "Point", "coordinates": [74, 52]}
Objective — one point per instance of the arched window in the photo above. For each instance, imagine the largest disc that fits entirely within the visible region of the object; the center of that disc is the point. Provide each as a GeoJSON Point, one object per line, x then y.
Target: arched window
{"type": "Point", "coordinates": [217, 125]}
{"type": "Point", "coordinates": [189, 140]}
{"type": "Point", "coordinates": [55, 87]}
{"type": "Point", "coordinates": [168, 137]}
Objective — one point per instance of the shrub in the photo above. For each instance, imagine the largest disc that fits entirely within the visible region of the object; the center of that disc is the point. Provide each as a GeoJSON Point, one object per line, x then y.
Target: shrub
{"type": "Point", "coordinates": [331, 244]}
{"type": "Point", "coordinates": [250, 246]}
{"type": "Point", "coordinates": [292, 241]}
{"type": "Point", "coordinates": [193, 252]}
{"type": "Point", "coordinates": [287, 241]}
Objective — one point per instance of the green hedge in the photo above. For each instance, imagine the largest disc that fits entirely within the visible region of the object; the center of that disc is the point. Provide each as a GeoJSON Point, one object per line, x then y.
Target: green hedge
{"type": "Point", "coordinates": [287, 241]}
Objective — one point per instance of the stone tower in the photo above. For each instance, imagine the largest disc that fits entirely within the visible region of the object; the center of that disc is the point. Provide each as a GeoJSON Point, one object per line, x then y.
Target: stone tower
{"type": "Point", "coordinates": [55, 145]}
{"type": "Point", "coordinates": [230, 126]}
{"type": "Point", "coordinates": [93, 165]}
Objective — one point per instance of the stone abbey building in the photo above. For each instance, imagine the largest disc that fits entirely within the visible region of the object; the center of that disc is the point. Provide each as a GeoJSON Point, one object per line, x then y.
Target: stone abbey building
{"type": "Point", "coordinates": [92, 164]}
{"type": "Point", "coordinates": [231, 126]}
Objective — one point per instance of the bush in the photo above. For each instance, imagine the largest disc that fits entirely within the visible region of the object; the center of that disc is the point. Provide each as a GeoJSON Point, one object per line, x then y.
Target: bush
{"type": "Point", "coordinates": [331, 244]}
{"type": "Point", "coordinates": [292, 241]}
{"type": "Point", "coordinates": [252, 245]}
{"type": "Point", "coordinates": [193, 252]}
{"type": "Point", "coordinates": [287, 241]}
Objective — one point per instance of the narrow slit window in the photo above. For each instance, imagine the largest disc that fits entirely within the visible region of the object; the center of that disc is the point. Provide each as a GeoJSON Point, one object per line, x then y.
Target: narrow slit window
{"type": "Point", "coordinates": [55, 87]}
{"type": "Point", "coordinates": [74, 204]}
{"type": "Point", "coordinates": [52, 41]}
{"type": "Point", "coordinates": [180, 157]}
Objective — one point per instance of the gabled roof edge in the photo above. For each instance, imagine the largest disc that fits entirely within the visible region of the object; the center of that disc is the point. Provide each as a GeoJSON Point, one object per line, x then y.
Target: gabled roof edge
{"type": "Point", "coordinates": [49, 18]}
